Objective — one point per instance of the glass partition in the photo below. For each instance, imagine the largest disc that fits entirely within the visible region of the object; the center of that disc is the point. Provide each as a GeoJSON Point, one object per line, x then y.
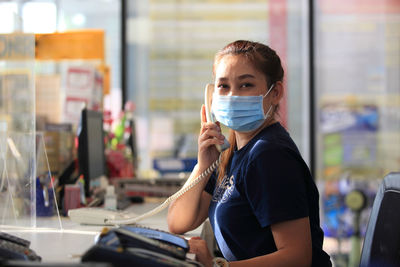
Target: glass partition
{"type": "Point", "coordinates": [17, 130]}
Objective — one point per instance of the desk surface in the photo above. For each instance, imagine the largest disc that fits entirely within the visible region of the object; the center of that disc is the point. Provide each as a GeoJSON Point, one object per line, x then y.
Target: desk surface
{"type": "Point", "coordinates": [54, 244]}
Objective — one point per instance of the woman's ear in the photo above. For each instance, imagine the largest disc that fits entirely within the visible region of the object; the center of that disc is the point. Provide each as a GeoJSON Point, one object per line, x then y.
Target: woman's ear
{"type": "Point", "coordinates": [277, 92]}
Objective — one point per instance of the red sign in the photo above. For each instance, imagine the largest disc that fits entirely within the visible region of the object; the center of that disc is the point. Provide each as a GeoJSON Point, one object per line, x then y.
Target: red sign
{"type": "Point", "coordinates": [278, 42]}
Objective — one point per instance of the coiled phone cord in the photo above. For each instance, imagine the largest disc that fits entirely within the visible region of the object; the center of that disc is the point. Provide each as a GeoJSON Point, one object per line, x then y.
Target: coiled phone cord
{"type": "Point", "coordinates": [182, 191]}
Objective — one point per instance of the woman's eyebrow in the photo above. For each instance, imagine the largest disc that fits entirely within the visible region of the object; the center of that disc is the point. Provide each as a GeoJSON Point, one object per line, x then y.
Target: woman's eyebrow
{"type": "Point", "coordinates": [244, 76]}
{"type": "Point", "coordinates": [241, 77]}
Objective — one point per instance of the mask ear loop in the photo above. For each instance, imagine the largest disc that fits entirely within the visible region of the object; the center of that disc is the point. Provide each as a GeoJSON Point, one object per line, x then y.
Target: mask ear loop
{"type": "Point", "coordinates": [269, 90]}
{"type": "Point", "coordinates": [270, 108]}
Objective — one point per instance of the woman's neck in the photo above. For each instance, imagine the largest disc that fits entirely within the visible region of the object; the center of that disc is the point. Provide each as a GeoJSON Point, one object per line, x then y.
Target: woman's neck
{"type": "Point", "coordinates": [243, 138]}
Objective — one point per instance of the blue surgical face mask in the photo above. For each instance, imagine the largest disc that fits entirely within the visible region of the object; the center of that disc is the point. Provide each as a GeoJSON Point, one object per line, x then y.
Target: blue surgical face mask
{"type": "Point", "coordinates": [240, 113]}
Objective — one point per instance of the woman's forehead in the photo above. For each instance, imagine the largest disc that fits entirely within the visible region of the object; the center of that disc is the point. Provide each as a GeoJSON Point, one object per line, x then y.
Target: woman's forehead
{"type": "Point", "coordinates": [234, 64]}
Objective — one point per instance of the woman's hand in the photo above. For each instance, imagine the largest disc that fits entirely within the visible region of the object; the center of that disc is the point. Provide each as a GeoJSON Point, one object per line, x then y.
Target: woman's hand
{"type": "Point", "coordinates": [210, 135]}
{"type": "Point", "coordinates": [199, 247]}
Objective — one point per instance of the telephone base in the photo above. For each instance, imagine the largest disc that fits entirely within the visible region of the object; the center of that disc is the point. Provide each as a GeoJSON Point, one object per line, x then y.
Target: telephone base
{"type": "Point", "coordinates": [98, 216]}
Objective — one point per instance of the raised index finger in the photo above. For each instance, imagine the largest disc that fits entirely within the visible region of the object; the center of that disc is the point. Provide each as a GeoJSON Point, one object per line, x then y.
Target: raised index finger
{"type": "Point", "coordinates": [203, 114]}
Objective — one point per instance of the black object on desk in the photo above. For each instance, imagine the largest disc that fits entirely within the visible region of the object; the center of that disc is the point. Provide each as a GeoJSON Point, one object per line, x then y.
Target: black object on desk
{"type": "Point", "coordinates": [53, 264]}
{"type": "Point", "coordinates": [13, 247]}
{"type": "Point", "coordinates": [132, 246]}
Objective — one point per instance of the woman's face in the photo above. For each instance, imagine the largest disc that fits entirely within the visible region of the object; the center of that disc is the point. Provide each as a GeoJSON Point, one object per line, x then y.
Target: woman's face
{"type": "Point", "coordinates": [235, 75]}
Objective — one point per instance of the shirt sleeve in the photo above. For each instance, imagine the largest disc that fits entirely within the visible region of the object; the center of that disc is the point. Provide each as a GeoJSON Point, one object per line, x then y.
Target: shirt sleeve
{"type": "Point", "coordinates": [275, 186]}
{"type": "Point", "coordinates": [210, 186]}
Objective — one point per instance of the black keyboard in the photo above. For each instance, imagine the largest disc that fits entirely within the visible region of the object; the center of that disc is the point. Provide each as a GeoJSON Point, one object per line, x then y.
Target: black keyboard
{"type": "Point", "coordinates": [16, 251]}
{"type": "Point", "coordinates": [14, 239]}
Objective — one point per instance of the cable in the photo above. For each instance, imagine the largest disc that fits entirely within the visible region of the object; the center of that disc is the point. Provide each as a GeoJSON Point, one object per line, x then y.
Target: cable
{"type": "Point", "coordinates": [182, 191]}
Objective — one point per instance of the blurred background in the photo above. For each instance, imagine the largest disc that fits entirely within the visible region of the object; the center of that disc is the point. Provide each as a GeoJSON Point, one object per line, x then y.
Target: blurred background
{"type": "Point", "coordinates": [152, 58]}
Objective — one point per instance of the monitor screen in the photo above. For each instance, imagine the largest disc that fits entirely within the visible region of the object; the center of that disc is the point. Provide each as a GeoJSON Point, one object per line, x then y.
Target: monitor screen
{"type": "Point", "coordinates": [91, 158]}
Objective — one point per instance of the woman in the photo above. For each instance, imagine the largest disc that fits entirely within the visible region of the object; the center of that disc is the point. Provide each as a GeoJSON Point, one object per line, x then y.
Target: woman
{"type": "Point", "coordinates": [262, 202]}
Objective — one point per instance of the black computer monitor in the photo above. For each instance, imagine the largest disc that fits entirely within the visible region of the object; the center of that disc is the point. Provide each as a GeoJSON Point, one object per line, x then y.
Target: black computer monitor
{"type": "Point", "coordinates": [91, 157]}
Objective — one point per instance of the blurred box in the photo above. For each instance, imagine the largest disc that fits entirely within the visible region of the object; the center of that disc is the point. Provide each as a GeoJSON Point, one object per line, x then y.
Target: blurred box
{"type": "Point", "coordinates": [59, 140]}
{"type": "Point", "coordinates": [48, 97]}
{"type": "Point", "coordinates": [60, 98]}
{"type": "Point", "coordinates": [83, 88]}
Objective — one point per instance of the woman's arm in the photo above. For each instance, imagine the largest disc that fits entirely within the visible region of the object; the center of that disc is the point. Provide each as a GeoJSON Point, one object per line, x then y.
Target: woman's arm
{"type": "Point", "coordinates": [293, 242]}
{"type": "Point", "coordinates": [191, 209]}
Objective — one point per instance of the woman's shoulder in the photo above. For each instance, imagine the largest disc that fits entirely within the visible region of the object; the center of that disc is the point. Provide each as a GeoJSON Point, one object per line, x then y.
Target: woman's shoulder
{"type": "Point", "coordinates": [274, 141]}
{"type": "Point", "coordinates": [264, 149]}
{"type": "Point", "coordinates": [274, 137]}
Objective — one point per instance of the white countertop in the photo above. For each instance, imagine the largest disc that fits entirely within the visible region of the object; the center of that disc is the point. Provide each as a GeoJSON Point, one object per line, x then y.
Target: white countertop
{"type": "Point", "coordinates": [69, 242]}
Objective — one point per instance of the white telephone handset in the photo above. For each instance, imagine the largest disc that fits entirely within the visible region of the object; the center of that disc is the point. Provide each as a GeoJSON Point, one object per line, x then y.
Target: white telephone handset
{"type": "Point", "coordinates": [86, 216]}
{"type": "Point", "coordinates": [208, 93]}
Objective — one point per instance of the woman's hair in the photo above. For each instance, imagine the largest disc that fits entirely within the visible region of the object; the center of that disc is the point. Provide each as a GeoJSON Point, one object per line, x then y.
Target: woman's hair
{"type": "Point", "coordinates": [265, 60]}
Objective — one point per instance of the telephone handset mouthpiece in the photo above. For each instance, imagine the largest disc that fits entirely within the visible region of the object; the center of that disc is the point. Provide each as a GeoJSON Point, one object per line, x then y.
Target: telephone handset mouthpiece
{"type": "Point", "coordinates": [209, 90]}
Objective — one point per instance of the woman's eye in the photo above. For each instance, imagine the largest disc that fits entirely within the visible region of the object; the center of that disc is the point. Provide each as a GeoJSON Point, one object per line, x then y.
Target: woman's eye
{"type": "Point", "coordinates": [247, 85]}
{"type": "Point", "coordinates": [222, 86]}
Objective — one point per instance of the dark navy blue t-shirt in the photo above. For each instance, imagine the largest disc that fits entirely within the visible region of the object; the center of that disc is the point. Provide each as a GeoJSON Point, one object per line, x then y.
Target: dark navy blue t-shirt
{"type": "Point", "coordinates": [266, 182]}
